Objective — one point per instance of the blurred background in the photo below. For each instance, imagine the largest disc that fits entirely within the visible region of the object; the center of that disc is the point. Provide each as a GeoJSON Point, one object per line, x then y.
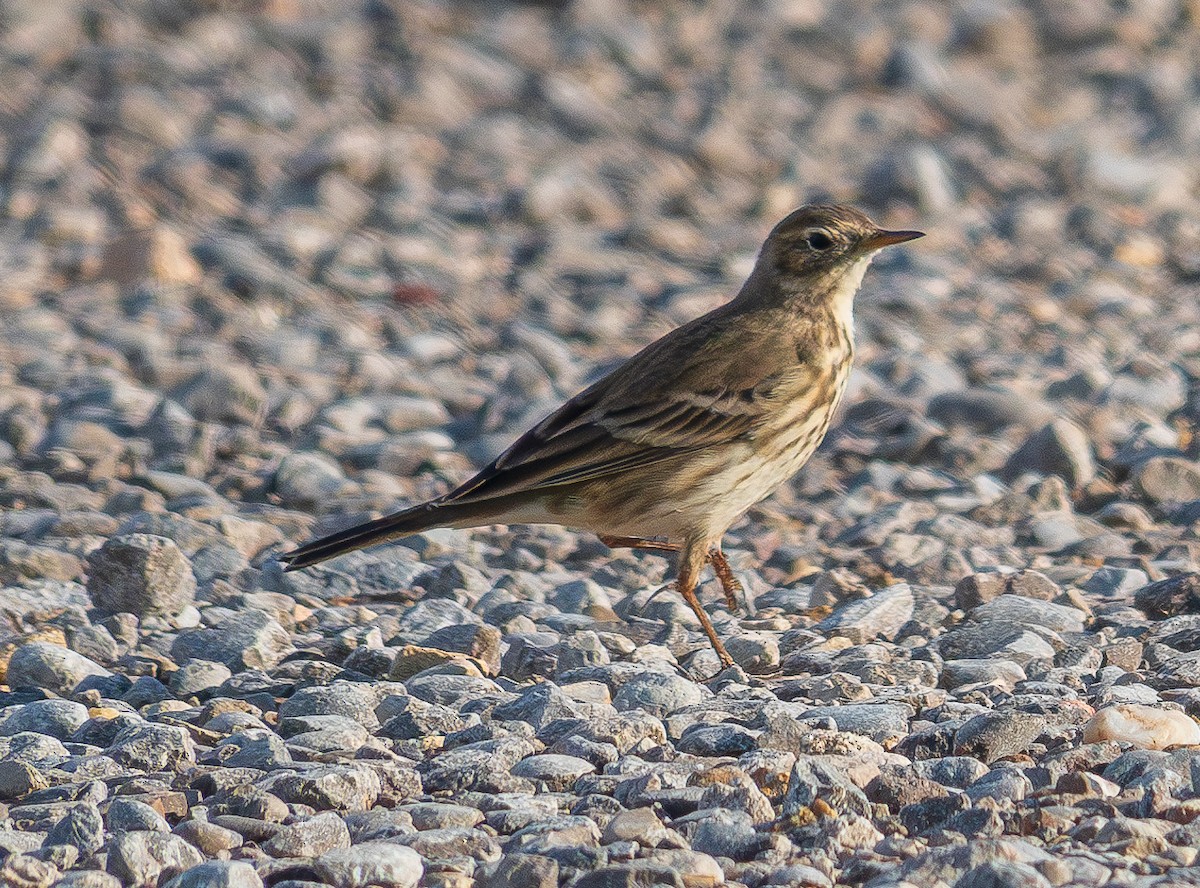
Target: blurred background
{"type": "Point", "coordinates": [379, 238]}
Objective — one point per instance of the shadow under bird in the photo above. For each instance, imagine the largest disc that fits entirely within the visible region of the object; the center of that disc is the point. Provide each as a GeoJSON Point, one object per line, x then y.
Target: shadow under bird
{"type": "Point", "coordinates": [671, 448]}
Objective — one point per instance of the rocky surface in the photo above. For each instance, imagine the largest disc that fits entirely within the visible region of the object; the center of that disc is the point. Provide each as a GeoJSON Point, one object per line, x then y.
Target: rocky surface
{"type": "Point", "coordinates": [273, 268]}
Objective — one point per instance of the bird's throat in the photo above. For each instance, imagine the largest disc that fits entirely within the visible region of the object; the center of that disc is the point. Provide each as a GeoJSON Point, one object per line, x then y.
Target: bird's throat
{"type": "Point", "coordinates": [841, 299]}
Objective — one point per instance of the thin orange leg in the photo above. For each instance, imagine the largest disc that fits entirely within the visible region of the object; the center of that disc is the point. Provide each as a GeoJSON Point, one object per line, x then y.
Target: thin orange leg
{"type": "Point", "coordinates": [720, 564]}
{"type": "Point", "coordinates": [729, 583]}
{"type": "Point", "coordinates": [689, 570]}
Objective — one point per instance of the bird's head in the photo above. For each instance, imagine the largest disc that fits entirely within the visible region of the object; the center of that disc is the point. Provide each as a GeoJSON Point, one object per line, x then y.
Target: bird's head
{"type": "Point", "coordinates": [822, 245]}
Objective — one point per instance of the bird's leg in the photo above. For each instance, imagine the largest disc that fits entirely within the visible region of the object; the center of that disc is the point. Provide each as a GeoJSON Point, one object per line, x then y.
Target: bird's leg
{"type": "Point", "coordinates": [690, 560]}
{"type": "Point", "coordinates": [720, 564]}
{"type": "Point", "coordinates": [729, 583]}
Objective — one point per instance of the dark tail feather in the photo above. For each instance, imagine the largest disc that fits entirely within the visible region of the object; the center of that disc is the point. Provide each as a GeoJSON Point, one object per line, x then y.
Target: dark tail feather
{"type": "Point", "coordinates": [390, 527]}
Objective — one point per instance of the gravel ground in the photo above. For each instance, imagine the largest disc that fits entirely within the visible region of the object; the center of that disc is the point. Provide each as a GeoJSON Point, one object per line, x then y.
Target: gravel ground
{"type": "Point", "coordinates": [271, 271]}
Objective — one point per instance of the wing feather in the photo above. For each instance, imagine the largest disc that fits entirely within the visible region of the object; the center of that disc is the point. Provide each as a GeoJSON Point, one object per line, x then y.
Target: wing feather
{"type": "Point", "coordinates": [635, 419]}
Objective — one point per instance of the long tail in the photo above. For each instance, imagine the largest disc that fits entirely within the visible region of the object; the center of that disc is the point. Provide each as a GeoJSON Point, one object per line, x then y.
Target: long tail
{"type": "Point", "coordinates": [390, 527]}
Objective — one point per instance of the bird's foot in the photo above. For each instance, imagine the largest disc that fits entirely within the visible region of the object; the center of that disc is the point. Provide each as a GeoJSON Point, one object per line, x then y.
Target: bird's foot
{"type": "Point", "coordinates": [720, 564]}
{"type": "Point", "coordinates": [729, 583]}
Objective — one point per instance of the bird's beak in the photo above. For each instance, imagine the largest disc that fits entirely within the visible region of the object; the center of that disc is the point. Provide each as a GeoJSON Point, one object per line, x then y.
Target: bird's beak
{"type": "Point", "coordinates": [881, 239]}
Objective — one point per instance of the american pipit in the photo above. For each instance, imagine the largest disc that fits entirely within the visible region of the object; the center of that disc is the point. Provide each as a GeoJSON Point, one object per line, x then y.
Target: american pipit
{"type": "Point", "coordinates": [673, 446]}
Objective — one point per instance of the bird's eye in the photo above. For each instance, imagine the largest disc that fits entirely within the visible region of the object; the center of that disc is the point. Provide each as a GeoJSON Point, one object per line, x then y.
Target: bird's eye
{"type": "Point", "coordinates": [819, 240]}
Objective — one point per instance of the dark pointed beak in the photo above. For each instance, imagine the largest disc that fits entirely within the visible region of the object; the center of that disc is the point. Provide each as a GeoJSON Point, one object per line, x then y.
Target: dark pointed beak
{"type": "Point", "coordinates": [881, 239]}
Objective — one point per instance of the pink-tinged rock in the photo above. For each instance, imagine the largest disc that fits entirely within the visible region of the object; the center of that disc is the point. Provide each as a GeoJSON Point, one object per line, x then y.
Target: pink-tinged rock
{"type": "Point", "coordinates": [1141, 725]}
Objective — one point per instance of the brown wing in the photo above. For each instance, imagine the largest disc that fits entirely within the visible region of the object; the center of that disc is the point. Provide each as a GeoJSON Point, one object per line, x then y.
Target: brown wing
{"type": "Point", "coordinates": [683, 393]}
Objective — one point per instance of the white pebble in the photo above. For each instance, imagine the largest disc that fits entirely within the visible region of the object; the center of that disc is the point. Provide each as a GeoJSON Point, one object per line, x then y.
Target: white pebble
{"type": "Point", "coordinates": [1141, 725]}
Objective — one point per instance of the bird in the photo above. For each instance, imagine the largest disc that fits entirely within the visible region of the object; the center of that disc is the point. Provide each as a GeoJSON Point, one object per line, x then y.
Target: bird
{"type": "Point", "coordinates": [671, 448]}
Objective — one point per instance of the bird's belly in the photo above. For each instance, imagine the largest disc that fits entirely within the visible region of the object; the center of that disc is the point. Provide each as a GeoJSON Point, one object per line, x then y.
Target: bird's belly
{"type": "Point", "coordinates": [729, 493]}
{"type": "Point", "coordinates": [775, 456]}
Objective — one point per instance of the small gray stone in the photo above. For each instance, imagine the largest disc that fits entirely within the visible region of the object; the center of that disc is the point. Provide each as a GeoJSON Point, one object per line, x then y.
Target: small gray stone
{"type": "Point", "coordinates": [556, 772]}
{"type": "Point", "coordinates": [875, 528]}
{"type": "Point", "coordinates": [19, 778]}
{"type": "Point", "coordinates": [988, 410]}
{"type": "Point", "coordinates": [353, 700]}
{"type": "Point", "coordinates": [130, 815]}
{"type": "Point", "coordinates": [740, 794]}
{"type": "Point", "coordinates": [198, 678]}
{"type": "Point", "coordinates": [153, 747]}
{"type": "Point", "coordinates": [39, 664]}
{"type": "Point", "coordinates": [88, 879]}
{"type": "Point", "coordinates": [879, 616]}
{"type": "Point", "coordinates": [255, 748]}
{"type": "Point", "coordinates": [145, 691]}
{"type": "Point", "coordinates": [624, 730]}
{"type": "Point", "coordinates": [431, 614]}
{"type": "Point", "coordinates": [1058, 448]}
{"type": "Point", "coordinates": [450, 690]}
{"type": "Point", "coordinates": [1001, 783]}
{"type": "Point", "coordinates": [452, 843]}
{"type": "Point", "coordinates": [1018, 610]}
{"type": "Point", "coordinates": [380, 823]}
{"type": "Point", "coordinates": [245, 800]}
{"type": "Point", "coordinates": [96, 643]}
{"type": "Point", "coordinates": [140, 574]}
{"type": "Point", "coordinates": [141, 858]}
{"type": "Point", "coordinates": [757, 653]}
{"type": "Point", "coordinates": [441, 815]}
{"type": "Point", "coordinates": [483, 767]}
{"type": "Point", "coordinates": [716, 740]}
{"type": "Point", "coordinates": [727, 834]}
{"type": "Point", "coordinates": [1119, 582]}
{"type": "Point", "coordinates": [799, 874]}
{"type": "Point", "coordinates": [335, 735]}
{"type": "Point", "coordinates": [1168, 479]}
{"type": "Point", "coordinates": [813, 779]}
{"type": "Point", "coordinates": [313, 837]}
{"type": "Point", "coordinates": [307, 479]}
{"type": "Point", "coordinates": [882, 721]}
{"type": "Point", "coordinates": [581, 596]}
{"type": "Point", "coordinates": [223, 393]}
{"type": "Point", "coordinates": [522, 871]}
{"type": "Point", "coordinates": [218, 874]}
{"type": "Point", "coordinates": [538, 706]}
{"type": "Point", "coordinates": [1002, 874]}
{"type": "Point", "coordinates": [420, 719]}
{"type": "Point", "coordinates": [451, 580]}
{"type": "Point", "coordinates": [352, 787]}
{"type": "Point", "coordinates": [35, 749]}
{"type": "Point", "coordinates": [559, 832]}
{"type": "Point", "coordinates": [381, 864]}
{"type": "Point", "coordinates": [956, 673]}
{"type": "Point", "coordinates": [54, 718]}
{"type": "Point", "coordinates": [993, 735]}
{"type": "Point", "coordinates": [1014, 643]}
{"type": "Point", "coordinates": [1170, 597]}
{"type": "Point", "coordinates": [955, 770]}
{"type": "Point", "coordinates": [579, 650]}
{"type": "Point", "coordinates": [634, 874]}
{"type": "Point", "coordinates": [82, 827]}
{"type": "Point", "coordinates": [1054, 531]}
{"type": "Point", "coordinates": [639, 825]}
{"type": "Point", "coordinates": [244, 640]}
{"type": "Point", "coordinates": [898, 786]}
{"type": "Point", "coordinates": [657, 693]}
